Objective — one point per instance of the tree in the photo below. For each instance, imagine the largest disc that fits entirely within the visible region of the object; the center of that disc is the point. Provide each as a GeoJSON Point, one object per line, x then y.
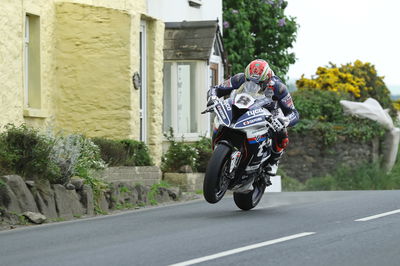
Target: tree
{"type": "Point", "coordinates": [258, 29]}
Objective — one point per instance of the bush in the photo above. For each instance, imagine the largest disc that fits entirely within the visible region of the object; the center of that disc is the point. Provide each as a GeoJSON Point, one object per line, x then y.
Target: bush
{"type": "Point", "coordinates": [179, 154]}
{"type": "Point", "coordinates": [322, 114]}
{"type": "Point", "coordinates": [359, 80]}
{"type": "Point", "coordinates": [26, 152]}
{"type": "Point", "coordinates": [123, 152]}
{"type": "Point", "coordinates": [196, 155]}
{"type": "Point", "coordinates": [138, 153]}
{"type": "Point", "coordinates": [111, 151]}
{"type": "Point", "coordinates": [204, 151]}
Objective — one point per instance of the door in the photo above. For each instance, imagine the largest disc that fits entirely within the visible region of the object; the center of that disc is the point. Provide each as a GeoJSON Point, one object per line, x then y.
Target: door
{"type": "Point", "coordinates": [143, 79]}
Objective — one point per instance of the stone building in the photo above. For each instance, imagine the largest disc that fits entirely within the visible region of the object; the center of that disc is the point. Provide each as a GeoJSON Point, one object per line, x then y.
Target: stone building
{"type": "Point", "coordinates": [86, 66]}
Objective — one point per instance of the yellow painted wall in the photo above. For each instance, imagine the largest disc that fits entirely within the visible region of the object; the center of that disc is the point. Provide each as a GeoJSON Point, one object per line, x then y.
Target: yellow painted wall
{"type": "Point", "coordinates": [11, 107]}
{"type": "Point", "coordinates": [155, 40]}
{"type": "Point", "coordinates": [88, 51]}
{"type": "Point", "coordinates": [93, 70]}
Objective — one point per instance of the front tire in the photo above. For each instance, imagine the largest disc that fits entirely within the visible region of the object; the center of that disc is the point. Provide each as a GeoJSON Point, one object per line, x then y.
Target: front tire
{"type": "Point", "coordinates": [215, 181]}
{"type": "Point", "coordinates": [247, 201]}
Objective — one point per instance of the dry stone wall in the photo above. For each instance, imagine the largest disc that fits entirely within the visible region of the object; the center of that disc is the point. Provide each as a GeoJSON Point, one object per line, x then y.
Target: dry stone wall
{"type": "Point", "coordinates": [54, 202]}
{"type": "Point", "coordinates": [307, 156]}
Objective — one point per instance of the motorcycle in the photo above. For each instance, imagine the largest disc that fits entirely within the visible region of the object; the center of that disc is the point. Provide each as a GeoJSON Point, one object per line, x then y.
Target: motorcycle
{"type": "Point", "coordinates": [241, 146]}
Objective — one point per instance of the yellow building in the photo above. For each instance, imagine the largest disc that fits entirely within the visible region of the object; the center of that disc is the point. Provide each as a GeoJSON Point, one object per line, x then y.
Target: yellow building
{"type": "Point", "coordinates": [84, 66]}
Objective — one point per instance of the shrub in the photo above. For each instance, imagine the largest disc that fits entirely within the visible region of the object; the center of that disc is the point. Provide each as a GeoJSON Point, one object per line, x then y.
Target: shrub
{"type": "Point", "coordinates": [204, 151]}
{"type": "Point", "coordinates": [359, 80]}
{"type": "Point", "coordinates": [124, 152]}
{"type": "Point", "coordinates": [322, 114]}
{"type": "Point", "coordinates": [26, 152]}
{"type": "Point", "coordinates": [179, 154]}
{"type": "Point", "coordinates": [112, 152]}
{"type": "Point", "coordinates": [65, 153]}
{"type": "Point", "coordinates": [137, 153]}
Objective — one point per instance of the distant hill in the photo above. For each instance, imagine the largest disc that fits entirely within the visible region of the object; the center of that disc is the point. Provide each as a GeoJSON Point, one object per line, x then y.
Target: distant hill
{"type": "Point", "coordinates": [394, 90]}
{"type": "Point", "coordinates": [395, 97]}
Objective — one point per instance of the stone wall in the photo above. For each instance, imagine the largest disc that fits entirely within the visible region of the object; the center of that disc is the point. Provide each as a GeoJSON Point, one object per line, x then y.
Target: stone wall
{"type": "Point", "coordinates": [74, 200]}
{"type": "Point", "coordinates": [147, 175]}
{"type": "Point", "coordinates": [307, 156]}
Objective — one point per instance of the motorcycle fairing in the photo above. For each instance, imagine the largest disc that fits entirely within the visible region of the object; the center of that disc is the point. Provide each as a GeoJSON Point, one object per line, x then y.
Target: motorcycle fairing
{"type": "Point", "coordinates": [224, 111]}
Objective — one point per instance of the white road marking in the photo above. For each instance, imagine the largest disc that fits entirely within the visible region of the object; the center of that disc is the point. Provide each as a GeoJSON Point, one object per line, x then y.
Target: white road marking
{"type": "Point", "coordinates": [242, 249]}
{"type": "Point", "coordinates": [377, 216]}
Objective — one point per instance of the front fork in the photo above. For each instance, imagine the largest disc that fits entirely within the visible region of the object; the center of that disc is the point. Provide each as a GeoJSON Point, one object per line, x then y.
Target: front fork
{"type": "Point", "coordinates": [235, 159]}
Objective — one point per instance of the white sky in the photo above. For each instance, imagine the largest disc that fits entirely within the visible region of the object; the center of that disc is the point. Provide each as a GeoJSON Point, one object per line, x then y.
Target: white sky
{"type": "Point", "coordinates": [342, 31]}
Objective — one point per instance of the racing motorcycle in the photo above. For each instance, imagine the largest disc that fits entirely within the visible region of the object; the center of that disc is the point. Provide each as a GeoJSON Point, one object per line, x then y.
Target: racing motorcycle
{"type": "Point", "coordinates": [241, 146]}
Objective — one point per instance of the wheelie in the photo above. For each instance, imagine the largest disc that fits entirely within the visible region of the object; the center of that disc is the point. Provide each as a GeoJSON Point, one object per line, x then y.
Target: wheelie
{"type": "Point", "coordinates": [249, 134]}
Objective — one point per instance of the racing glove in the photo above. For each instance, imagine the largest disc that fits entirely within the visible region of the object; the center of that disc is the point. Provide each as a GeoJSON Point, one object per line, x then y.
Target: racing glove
{"type": "Point", "coordinates": [280, 123]}
{"type": "Point", "coordinates": [211, 99]}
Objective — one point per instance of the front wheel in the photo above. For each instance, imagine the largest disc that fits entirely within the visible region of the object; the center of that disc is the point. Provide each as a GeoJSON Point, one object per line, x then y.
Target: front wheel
{"type": "Point", "coordinates": [215, 180]}
{"type": "Point", "coordinates": [247, 201]}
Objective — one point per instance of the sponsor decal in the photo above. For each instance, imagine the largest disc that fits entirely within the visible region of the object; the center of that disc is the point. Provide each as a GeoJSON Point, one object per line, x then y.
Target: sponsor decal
{"type": "Point", "coordinates": [248, 122]}
{"type": "Point", "coordinates": [255, 111]}
{"type": "Point", "coordinates": [221, 112]}
{"type": "Point", "coordinates": [227, 106]}
{"type": "Point", "coordinates": [287, 100]}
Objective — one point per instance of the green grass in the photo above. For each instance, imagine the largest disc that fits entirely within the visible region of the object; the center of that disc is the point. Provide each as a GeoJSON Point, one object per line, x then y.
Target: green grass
{"type": "Point", "coordinates": [125, 189]}
{"type": "Point", "coordinates": [366, 176]}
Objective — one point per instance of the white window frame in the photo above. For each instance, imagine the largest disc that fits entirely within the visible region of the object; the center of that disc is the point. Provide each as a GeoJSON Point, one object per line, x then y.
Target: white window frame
{"type": "Point", "coordinates": [200, 95]}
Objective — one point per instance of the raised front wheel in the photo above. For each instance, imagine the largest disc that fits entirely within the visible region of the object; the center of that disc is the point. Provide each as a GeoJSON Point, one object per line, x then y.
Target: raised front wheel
{"type": "Point", "coordinates": [215, 180]}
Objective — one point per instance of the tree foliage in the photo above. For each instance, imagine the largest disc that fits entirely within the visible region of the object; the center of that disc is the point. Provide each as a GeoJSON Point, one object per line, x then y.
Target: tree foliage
{"type": "Point", "coordinates": [258, 29]}
{"type": "Point", "coordinates": [358, 79]}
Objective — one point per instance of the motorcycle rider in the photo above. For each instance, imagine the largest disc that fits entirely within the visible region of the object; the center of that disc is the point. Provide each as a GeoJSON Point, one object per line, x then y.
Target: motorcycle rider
{"type": "Point", "coordinates": [259, 72]}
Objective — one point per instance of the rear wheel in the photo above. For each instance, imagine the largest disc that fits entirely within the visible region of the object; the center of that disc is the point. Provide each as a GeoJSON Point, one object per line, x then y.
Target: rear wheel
{"type": "Point", "coordinates": [247, 201]}
{"type": "Point", "coordinates": [216, 179]}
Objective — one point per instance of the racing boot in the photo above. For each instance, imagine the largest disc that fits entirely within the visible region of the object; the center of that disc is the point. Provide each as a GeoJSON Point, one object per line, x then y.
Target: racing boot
{"type": "Point", "coordinates": [272, 166]}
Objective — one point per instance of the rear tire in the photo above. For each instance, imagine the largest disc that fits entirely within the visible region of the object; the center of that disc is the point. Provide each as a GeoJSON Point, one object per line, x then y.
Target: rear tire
{"type": "Point", "coordinates": [215, 182]}
{"type": "Point", "coordinates": [247, 201]}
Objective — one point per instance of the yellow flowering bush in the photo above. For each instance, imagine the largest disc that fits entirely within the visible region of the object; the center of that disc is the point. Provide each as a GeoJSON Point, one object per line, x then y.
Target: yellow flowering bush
{"type": "Point", "coordinates": [358, 79]}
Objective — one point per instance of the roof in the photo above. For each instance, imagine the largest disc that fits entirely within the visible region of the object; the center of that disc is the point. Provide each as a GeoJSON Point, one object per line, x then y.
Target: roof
{"type": "Point", "coordinates": [191, 40]}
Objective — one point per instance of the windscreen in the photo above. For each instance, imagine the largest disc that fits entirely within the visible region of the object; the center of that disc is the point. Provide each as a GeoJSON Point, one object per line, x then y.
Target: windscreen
{"type": "Point", "coordinates": [250, 88]}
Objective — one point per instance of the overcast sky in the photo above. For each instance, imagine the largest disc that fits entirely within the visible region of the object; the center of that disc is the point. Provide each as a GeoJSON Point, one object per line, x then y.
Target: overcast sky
{"type": "Point", "coordinates": [342, 31]}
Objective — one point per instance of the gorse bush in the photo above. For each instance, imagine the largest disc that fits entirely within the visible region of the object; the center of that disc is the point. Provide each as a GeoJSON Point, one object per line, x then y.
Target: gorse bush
{"type": "Point", "coordinates": [123, 152]}
{"type": "Point", "coordinates": [359, 80]}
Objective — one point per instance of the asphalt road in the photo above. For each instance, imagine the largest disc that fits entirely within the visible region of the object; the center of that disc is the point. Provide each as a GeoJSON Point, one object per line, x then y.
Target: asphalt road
{"type": "Point", "coordinates": [296, 228]}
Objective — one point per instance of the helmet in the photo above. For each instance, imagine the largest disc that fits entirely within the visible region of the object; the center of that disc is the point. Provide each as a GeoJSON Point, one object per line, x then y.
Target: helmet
{"type": "Point", "coordinates": [258, 71]}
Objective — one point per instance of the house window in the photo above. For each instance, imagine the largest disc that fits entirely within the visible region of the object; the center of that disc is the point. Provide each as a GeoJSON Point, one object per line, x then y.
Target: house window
{"type": "Point", "coordinates": [180, 97]}
{"type": "Point", "coordinates": [32, 62]}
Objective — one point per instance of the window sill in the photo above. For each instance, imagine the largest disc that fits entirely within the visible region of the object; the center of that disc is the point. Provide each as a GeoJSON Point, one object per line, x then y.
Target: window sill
{"type": "Point", "coordinates": [187, 137]}
{"type": "Point", "coordinates": [36, 113]}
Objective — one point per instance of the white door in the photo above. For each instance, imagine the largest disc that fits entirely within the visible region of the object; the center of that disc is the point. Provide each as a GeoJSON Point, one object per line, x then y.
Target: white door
{"type": "Point", "coordinates": [143, 88]}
